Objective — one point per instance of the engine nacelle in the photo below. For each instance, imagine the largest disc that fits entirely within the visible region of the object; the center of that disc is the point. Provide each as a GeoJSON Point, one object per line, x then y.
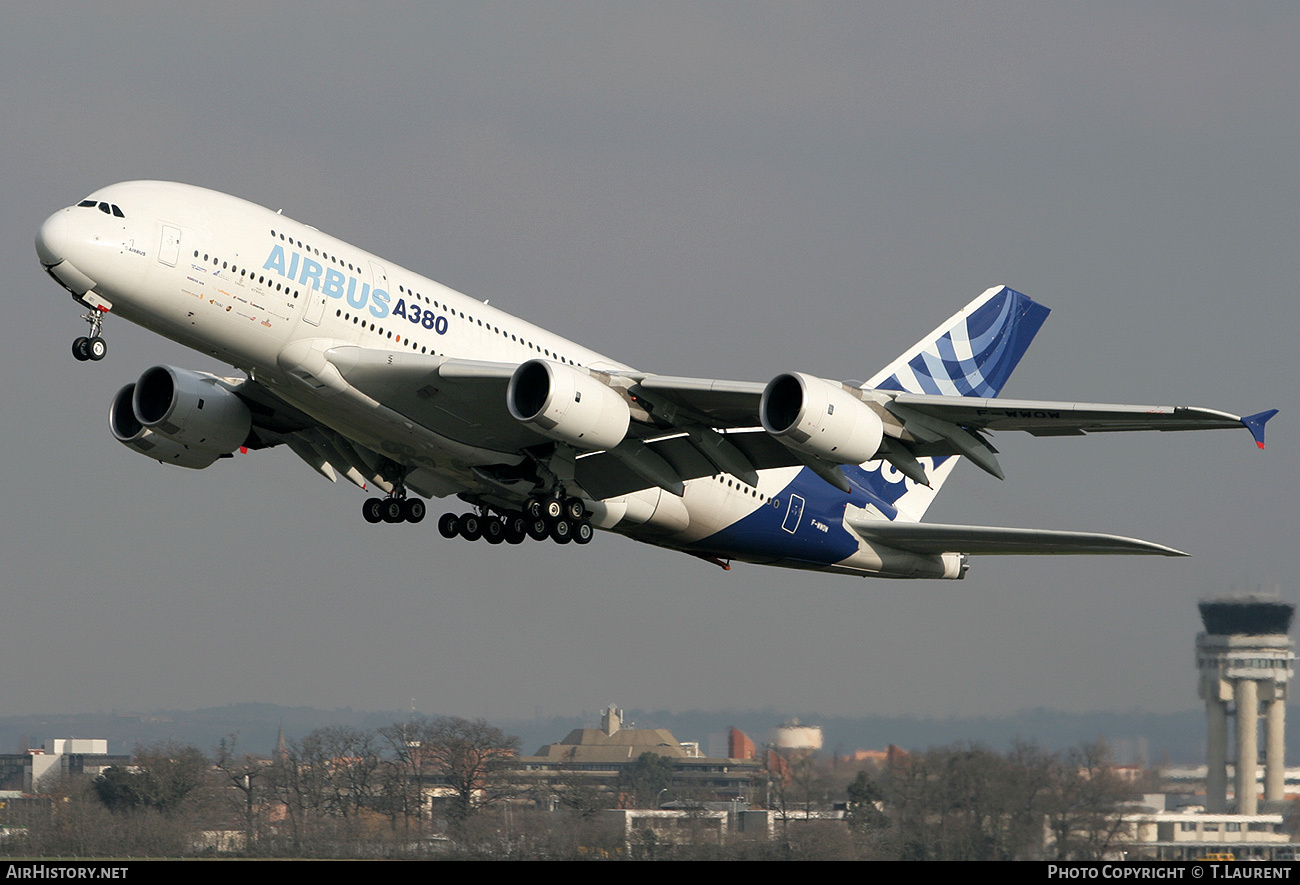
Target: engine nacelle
{"type": "Point", "coordinates": [568, 405]}
{"type": "Point", "coordinates": [138, 438]}
{"type": "Point", "coordinates": [820, 418]}
{"type": "Point", "coordinates": [191, 408]}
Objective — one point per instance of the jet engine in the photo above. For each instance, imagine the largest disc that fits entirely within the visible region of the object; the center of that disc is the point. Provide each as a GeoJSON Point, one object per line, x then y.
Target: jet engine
{"type": "Point", "coordinates": [568, 405]}
{"type": "Point", "coordinates": [820, 418]}
{"type": "Point", "coordinates": [179, 417]}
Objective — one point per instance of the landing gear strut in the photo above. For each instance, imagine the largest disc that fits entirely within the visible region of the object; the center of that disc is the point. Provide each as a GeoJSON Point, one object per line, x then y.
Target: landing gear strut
{"type": "Point", "coordinates": [92, 348]}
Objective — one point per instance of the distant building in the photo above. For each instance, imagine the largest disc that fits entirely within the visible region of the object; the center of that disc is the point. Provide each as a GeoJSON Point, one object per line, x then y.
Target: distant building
{"type": "Point", "coordinates": [57, 757]}
{"type": "Point", "coordinates": [793, 738]}
{"type": "Point", "coordinates": [596, 756]}
{"type": "Point", "coordinates": [614, 743]}
{"type": "Point", "coordinates": [1190, 834]}
{"type": "Point", "coordinates": [739, 746]}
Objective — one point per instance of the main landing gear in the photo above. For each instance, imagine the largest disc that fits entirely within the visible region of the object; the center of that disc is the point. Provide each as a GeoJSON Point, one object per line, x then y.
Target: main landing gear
{"type": "Point", "coordinates": [394, 509]}
{"type": "Point", "coordinates": [92, 348]}
{"type": "Point", "coordinates": [561, 520]}
{"type": "Point", "coordinates": [398, 506]}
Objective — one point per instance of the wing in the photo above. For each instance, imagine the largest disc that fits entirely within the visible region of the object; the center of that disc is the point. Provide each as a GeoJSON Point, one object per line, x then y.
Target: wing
{"type": "Point", "coordinates": [919, 425]}
{"type": "Point", "coordinates": [680, 428]}
{"type": "Point", "coordinates": [930, 538]}
{"type": "Point", "coordinates": [1042, 418]}
{"type": "Point", "coordinates": [737, 404]}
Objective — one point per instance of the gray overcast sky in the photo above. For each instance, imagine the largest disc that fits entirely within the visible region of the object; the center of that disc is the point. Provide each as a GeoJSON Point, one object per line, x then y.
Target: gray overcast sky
{"type": "Point", "coordinates": [721, 190]}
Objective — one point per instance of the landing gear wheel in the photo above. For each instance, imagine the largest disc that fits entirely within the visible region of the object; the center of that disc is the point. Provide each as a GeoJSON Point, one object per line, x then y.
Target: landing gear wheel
{"type": "Point", "coordinates": [574, 509]}
{"type": "Point", "coordinates": [471, 527]}
{"type": "Point", "coordinates": [81, 349]}
{"type": "Point", "coordinates": [533, 508]}
{"type": "Point", "coordinates": [552, 509]}
{"type": "Point", "coordinates": [391, 510]}
{"type": "Point", "coordinates": [372, 510]}
{"type": "Point", "coordinates": [538, 529]}
{"type": "Point", "coordinates": [96, 348]}
{"type": "Point", "coordinates": [582, 532]}
{"type": "Point", "coordinates": [562, 531]}
{"type": "Point", "coordinates": [413, 510]}
{"type": "Point", "coordinates": [494, 532]}
{"type": "Point", "coordinates": [448, 525]}
{"type": "Point", "coordinates": [516, 529]}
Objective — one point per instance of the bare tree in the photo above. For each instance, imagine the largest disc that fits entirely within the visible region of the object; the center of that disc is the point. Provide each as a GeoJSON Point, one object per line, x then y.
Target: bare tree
{"type": "Point", "coordinates": [245, 774]}
{"type": "Point", "coordinates": [295, 780]}
{"type": "Point", "coordinates": [469, 757]}
{"type": "Point", "coordinates": [351, 762]}
{"type": "Point", "coordinates": [967, 803]}
{"type": "Point", "coordinates": [1083, 811]}
{"type": "Point", "coordinates": [402, 779]}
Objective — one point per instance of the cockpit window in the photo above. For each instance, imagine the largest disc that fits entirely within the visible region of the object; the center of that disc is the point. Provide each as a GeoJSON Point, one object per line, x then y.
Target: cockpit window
{"type": "Point", "coordinates": [107, 208]}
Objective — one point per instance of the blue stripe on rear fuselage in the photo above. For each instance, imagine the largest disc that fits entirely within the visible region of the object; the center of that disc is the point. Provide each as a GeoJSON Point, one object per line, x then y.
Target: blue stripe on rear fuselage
{"type": "Point", "coordinates": [763, 535]}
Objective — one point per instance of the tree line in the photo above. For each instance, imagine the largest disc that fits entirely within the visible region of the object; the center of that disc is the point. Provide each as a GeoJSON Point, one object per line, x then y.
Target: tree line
{"type": "Point", "coordinates": [338, 791]}
{"type": "Point", "coordinates": [449, 787]}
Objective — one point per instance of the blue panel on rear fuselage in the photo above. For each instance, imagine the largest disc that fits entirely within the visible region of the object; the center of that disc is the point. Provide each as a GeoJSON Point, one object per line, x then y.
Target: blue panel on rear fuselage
{"type": "Point", "coordinates": [819, 536]}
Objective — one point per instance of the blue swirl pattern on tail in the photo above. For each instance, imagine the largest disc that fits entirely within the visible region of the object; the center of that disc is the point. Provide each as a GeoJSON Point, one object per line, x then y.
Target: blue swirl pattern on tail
{"type": "Point", "coordinates": [973, 353]}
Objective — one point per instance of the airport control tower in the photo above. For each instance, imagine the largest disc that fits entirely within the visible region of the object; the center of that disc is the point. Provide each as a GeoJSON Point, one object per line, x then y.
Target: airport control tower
{"type": "Point", "coordinates": [1244, 658]}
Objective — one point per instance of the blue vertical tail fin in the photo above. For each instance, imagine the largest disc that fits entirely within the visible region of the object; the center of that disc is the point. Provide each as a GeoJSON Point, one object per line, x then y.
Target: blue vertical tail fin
{"type": "Point", "coordinates": [973, 353]}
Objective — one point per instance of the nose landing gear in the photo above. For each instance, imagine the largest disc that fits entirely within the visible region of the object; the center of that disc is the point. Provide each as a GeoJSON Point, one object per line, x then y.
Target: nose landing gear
{"type": "Point", "coordinates": [93, 347]}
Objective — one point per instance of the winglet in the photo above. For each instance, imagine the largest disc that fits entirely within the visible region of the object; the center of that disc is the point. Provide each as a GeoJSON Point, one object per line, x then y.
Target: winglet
{"type": "Point", "coordinates": [1255, 424]}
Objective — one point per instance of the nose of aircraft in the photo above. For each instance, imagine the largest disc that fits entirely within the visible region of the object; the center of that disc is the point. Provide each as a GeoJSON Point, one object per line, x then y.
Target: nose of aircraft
{"type": "Point", "coordinates": [52, 239]}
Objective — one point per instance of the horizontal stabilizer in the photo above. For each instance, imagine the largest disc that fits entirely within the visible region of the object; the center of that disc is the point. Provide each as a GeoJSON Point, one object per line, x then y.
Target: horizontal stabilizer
{"type": "Point", "coordinates": [1255, 424]}
{"type": "Point", "coordinates": [921, 537]}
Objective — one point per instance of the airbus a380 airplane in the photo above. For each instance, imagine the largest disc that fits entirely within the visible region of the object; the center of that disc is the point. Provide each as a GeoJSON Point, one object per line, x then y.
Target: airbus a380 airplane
{"type": "Point", "coordinates": [367, 370]}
